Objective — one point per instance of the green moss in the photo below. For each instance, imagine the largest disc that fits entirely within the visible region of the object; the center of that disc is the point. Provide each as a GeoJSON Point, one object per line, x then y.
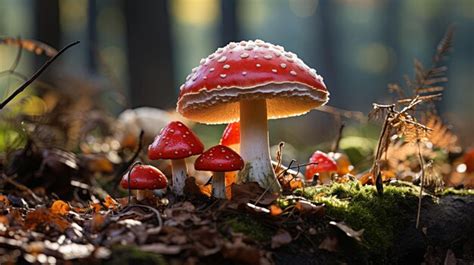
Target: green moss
{"type": "Point", "coordinates": [361, 208]}
{"type": "Point", "coordinates": [461, 192]}
{"type": "Point", "coordinates": [122, 255]}
{"type": "Point", "coordinates": [250, 227]}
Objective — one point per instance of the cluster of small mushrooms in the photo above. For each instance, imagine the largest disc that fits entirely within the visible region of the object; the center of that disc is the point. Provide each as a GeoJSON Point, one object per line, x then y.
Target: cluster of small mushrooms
{"type": "Point", "coordinates": [249, 82]}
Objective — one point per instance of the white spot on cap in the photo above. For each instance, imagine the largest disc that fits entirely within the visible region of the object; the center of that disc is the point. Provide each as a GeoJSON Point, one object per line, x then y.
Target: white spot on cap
{"type": "Point", "coordinates": [204, 77]}
{"type": "Point", "coordinates": [283, 65]}
{"type": "Point", "coordinates": [274, 70]}
{"type": "Point", "coordinates": [244, 55]}
{"type": "Point", "coordinates": [220, 50]}
{"type": "Point", "coordinates": [289, 55]}
{"type": "Point", "coordinates": [268, 56]}
{"type": "Point", "coordinates": [202, 61]}
{"type": "Point", "coordinates": [175, 152]}
{"type": "Point", "coordinates": [223, 75]}
{"type": "Point", "coordinates": [210, 57]}
{"type": "Point", "coordinates": [289, 60]}
{"type": "Point", "coordinates": [218, 86]}
{"type": "Point", "coordinates": [249, 47]}
{"type": "Point", "coordinates": [277, 53]}
{"type": "Point", "coordinates": [292, 72]}
{"type": "Point", "coordinates": [188, 77]}
{"type": "Point", "coordinates": [194, 78]}
{"type": "Point", "coordinates": [232, 45]}
{"type": "Point", "coordinates": [190, 153]}
{"type": "Point", "coordinates": [255, 57]}
{"type": "Point", "coordinates": [211, 70]}
{"type": "Point", "coordinates": [244, 73]}
{"type": "Point", "coordinates": [222, 59]}
{"type": "Point", "coordinates": [258, 65]}
{"type": "Point", "coordinates": [226, 66]}
{"type": "Point", "coordinates": [180, 124]}
{"type": "Point", "coordinates": [181, 87]}
{"type": "Point", "coordinates": [194, 70]}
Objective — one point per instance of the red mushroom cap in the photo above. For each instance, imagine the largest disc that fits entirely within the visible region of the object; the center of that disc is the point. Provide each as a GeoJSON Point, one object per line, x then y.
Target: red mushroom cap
{"type": "Point", "coordinates": [325, 164]}
{"type": "Point", "coordinates": [219, 159]}
{"type": "Point", "coordinates": [145, 177]}
{"type": "Point", "coordinates": [176, 141]}
{"type": "Point", "coordinates": [231, 134]}
{"type": "Point", "coordinates": [250, 70]}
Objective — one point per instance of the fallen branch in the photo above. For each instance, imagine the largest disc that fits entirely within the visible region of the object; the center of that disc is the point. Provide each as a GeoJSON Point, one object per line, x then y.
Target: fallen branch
{"type": "Point", "coordinates": [35, 75]}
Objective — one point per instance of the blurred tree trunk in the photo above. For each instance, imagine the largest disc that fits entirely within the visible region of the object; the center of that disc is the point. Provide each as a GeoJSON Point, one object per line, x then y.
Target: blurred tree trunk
{"type": "Point", "coordinates": [329, 51]}
{"type": "Point", "coordinates": [229, 29]}
{"type": "Point", "coordinates": [47, 29]}
{"type": "Point", "coordinates": [92, 36]}
{"type": "Point", "coordinates": [149, 54]}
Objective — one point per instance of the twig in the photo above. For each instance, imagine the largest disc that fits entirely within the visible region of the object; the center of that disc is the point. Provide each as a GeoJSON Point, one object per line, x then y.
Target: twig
{"type": "Point", "coordinates": [422, 179]}
{"type": "Point", "coordinates": [132, 160]}
{"type": "Point", "coordinates": [21, 187]}
{"type": "Point", "coordinates": [338, 139]}
{"type": "Point", "coordinates": [35, 75]}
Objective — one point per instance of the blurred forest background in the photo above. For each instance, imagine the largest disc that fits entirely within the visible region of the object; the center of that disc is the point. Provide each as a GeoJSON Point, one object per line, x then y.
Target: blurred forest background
{"type": "Point", "coordinates": [139, 52]}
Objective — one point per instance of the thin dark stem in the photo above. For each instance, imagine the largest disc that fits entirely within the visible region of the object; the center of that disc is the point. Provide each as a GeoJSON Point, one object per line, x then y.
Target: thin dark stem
{"type": "Point", "coordinates": [335, 147]}
{"type": "Point", "coordinates": [124, 169]}
{"type": "Point", "coordinates": [128, 179]}
{"type": "Point", "coordinates": [35, 75]}
{"type": "Point", "coordinates": [422, 179]}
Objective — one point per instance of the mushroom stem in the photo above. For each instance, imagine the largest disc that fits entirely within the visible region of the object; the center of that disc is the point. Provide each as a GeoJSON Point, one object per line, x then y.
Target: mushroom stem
{"type": "Point", "coordinates": [254, 147]}
{"type": "Point", "coordinates": [218, 185]}
{"type": "Point", "coordinates": [179, 171]}
{"type": "Point", "coordinates": [141, 194]}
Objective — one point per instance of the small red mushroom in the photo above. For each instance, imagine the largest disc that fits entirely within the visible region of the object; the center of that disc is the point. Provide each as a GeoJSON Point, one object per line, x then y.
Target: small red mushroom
{"type": "Point", "coordinates": [144, 178]}
{"type": "Point", "coordinates": [176, 142]}
{"type": "Point", "coordinates": [219, 159]}
{"type": "Point", "coordinates": [231, 136]}
{"type": "Point", "coordinates": [325, 166]}
{"type": "Point", "coordinates": [251, 81]}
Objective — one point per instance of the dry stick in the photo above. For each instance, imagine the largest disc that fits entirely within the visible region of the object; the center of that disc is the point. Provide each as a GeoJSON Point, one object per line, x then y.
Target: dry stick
{"type": "Point", "coordinates": [132, 160]}
{"type": "Point", "coordinates": [35, 75]}
{"type": "Point", "coordinates": [21, 187]}
{"type": "Point", "coordinates": [338, 139]}
{"type": "Point", "coordinates": [422, 178]}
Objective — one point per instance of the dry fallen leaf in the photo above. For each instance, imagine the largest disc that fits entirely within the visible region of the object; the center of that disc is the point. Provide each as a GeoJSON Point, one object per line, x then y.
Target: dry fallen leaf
{"type": "Point", "coordinates": [348, 231]}
{"type": "Point", "coordinates": [306, 207]}
{"type": "Point", "coordinates": [110, 203]}
{"type": "Point", "coordinates": [281, 238]}
{"type": "Point", "coordinates": [60, 207]}
{"type": "Point", "coordinates": [42, 219]}
{"type": "Point", "coordinates": [275, 210]}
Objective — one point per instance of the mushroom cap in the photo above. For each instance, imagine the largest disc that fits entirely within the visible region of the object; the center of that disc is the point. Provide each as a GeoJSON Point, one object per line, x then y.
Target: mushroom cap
{"type": "Point", "coordinates": [145, 177]}
{"type": "Point", "coordinates": [219, 158]}
{"type": "Point", "coordinates": [250, 70]}
{"type": "Point", "coordinates": [324, 164]}
{"type": "Point", "coordinates": [175, 141]}
{"type": "Point", "coordinates": [231, 134]}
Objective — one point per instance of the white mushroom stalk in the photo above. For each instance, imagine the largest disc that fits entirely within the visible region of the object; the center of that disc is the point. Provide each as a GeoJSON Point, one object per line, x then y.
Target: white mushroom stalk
{"type": "Point", "coordinates": [179, 172]}
{"type": "Point", "coordinates": [218, 185]}
{"type": "Point", "coordinates": [254, 146]}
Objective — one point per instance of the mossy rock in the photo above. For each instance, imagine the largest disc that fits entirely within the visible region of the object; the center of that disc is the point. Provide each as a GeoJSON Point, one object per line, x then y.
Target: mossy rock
{"type": "Point", "coordinates": [389, 220]}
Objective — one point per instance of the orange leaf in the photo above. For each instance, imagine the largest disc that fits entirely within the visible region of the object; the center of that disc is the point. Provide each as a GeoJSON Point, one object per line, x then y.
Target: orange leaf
{"type": "Point", "coordinates": [4, 200]}
{"type": "Point", "coordinates": [97, 221]}
{"type": "Point", "coordinates": [60, 207]}
{"type": "Point", "coordinates": [275, 210]}
{"type": "Point", "coordinates": [96, 207]}
{"type": "Point", "coordinates": [42, 219]}
{"type": "Point", "coordinates": [110, 203]}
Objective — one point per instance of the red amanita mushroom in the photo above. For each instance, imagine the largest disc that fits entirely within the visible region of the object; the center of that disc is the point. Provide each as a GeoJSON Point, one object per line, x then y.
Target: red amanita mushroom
{"type": "Point", "coordinates": [231, 136]}
{"type": "Point", "coordinates": [325, 166]}
{"type": "Point", "coordinates": [144, 178]}
{"type": "Point", "coordinates": [251, 81]}
{"type": "Point", "coordinates": [219, 159]}
{"type": "Point", "coordinates": [176, 142]}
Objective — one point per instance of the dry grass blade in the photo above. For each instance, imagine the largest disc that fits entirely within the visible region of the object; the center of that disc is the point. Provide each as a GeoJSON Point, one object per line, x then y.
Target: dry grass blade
{"type": "Point", "coordinates": [33, 46]}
